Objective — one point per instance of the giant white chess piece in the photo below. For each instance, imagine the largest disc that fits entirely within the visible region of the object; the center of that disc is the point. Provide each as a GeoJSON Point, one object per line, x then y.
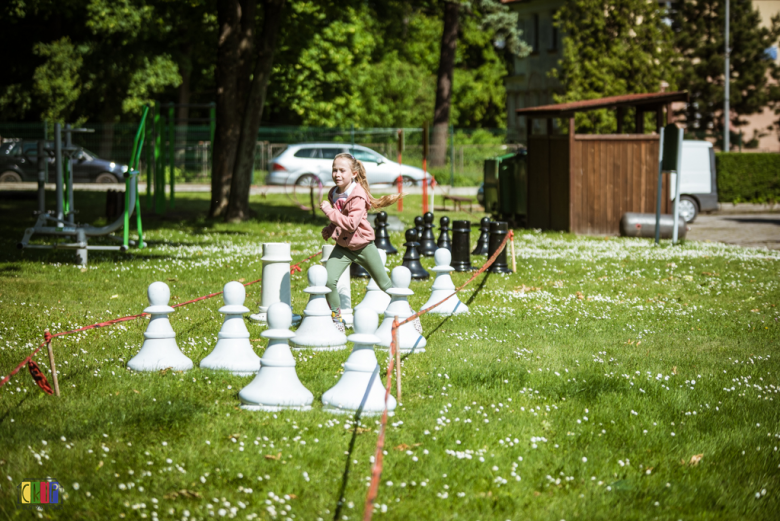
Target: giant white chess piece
{"type": "Point", "coordinates": [159, 350]}
{"type": "Point", "coordinates": [375, 299]}
{"type": "Point", "coordinates": [317, 330]}
{"type": "Point", "coordinates": [276, 385]}
{"type": "Point", "coordinates": [443, 287]}
{"type": "Point", "coordinates": [360, 387]}
{"type": "Point", "coordinates": [410, 339]}
{"type": "Point", "coordinates": [233, 351]}
{"type": "Point", "coordinates": [276, 279]}
{"type": "Point", "coordinates": [343, 286]}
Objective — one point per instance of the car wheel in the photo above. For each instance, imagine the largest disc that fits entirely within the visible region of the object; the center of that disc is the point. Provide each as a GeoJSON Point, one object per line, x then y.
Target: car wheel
{"type": "Point", "coordinates": [10, 177]}
{"type": "Point", "coordinates": [688, 208]}
{"type": "Point", "coordinates": [105, 177]}
{"type": "Point", "coordinates": [406, 181]}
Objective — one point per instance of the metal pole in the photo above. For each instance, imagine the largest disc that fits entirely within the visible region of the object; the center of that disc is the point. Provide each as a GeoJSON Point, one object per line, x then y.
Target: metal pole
{"type": "Point", "coordinates": [677, 184]}
{"type": "Point", "coordinates": [352, 133]}
{"type": "Point", "coordinates": [150, 159]}
{"type": "Point", "coordinates": [42, 162]}
{"type": "Point", "coordinates": [659, 195]}
{"type": "Point", "coordinates": [171, 153]}
{"type": "Point", "coordinates": [727, 80]}
{"type": "Point", "coordinates": [68, 144]}
{"type": "Point", "coordinates": [58, 159]}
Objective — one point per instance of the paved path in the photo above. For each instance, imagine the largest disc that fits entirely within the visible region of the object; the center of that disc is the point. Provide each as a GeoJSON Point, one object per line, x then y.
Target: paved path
{"type": "Point", "coordinates": [754, 230]}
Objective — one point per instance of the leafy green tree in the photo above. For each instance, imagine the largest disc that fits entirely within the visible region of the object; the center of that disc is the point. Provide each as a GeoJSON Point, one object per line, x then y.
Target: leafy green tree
{"type": "Point", "coordinates": [612, 47]}
{"type": "Point", "coordinates": [699, 39]}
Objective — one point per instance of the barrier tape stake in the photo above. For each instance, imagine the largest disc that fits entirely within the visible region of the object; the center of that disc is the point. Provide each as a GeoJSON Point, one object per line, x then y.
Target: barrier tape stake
{"type": "Point", "coordinates": [512, 251]}
{"type": "Point", "coordinates": [52, 364]}
{"type": "Point", "coordinates": [397, 359]}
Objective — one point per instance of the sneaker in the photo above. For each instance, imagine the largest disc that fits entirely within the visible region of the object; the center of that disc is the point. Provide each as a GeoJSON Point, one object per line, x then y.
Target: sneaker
{"type": "Point", "coordinates": [418, 325]}
{"type": "Point", "coordinates": [338, 321]}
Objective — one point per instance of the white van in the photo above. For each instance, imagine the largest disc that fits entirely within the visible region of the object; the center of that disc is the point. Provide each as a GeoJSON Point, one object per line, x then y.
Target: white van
{"type": "Point", "coordinates": [698, 184]}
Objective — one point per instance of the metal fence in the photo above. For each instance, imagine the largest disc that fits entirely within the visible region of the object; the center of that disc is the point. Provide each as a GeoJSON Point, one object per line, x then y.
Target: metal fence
{"type": "Point", "coordinates": [193, 147]}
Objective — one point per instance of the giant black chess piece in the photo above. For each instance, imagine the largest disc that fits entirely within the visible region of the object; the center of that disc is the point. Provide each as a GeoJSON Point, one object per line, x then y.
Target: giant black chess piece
{"type": "Point", "coordinates": [444, 233]}
{"type": "Point", "coordinates": [461, 244]}
{"type": "Point", "coordinates": [428, 241]}
{"type": "Point", "coordinates": [356, 271]}
{"type": "Point", "coordinates": [419, 226]}
{"type": "Point", "coordinates": [498, 230]}
{"type": "Point", "coordinates": [412, 257]}
{"type": "Point", "coordinates": [382, 240]}
{"type": "Point", "coordinates": [484, 237]}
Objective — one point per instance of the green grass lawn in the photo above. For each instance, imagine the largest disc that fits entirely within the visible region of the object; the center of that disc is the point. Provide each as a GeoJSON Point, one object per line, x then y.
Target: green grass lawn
{"type": "Point", "coordinates": [585, 386]}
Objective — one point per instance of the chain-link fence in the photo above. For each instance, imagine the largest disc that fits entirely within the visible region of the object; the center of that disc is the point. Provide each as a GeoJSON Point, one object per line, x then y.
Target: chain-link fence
{"type": "Point", "coordinates": [465, 154]}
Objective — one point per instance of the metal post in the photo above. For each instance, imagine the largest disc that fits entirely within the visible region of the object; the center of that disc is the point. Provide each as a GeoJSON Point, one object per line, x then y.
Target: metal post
{"type": "Point", "coordinates": [726, 82]}
{"type": "Point", "coordinates": [58, 159]}
{"type": "Point", "coordinates": [452, 156]}
{"type": "Point", "coordinates": [171, 153]}
{"type": "Point", "coordinates": [677, 184]}
{"type": "Point", "coordinates": [425, 168]}
{"type": "Point", "coordinates": [42, 162]}
{"type": "Point", "coordinates": [69, 210]}
{"type": "Point", "coordinates": [159, 172]}
{"type": "Point", "coordinates": [150, 159]}
{"type": "Point", "coordinates": [352, 133]}
{"type": "Point", "coordinates": [659, 194]}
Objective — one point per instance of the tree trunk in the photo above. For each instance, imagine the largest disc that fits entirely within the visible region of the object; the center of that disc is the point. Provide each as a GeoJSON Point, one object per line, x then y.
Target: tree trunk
{"type": "Point", "coordinates": [238, 208]}
{"type": "Point", "coordinates": [228, 121]}
{"type": "Point", "coordinates": [441, 111]}
{"type": "Point", "coordinates": [183, 111]}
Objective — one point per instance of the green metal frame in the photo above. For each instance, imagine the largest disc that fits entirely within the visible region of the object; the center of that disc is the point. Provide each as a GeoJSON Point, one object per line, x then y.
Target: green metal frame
{"type": "Point", "coordinates": [132, 177]}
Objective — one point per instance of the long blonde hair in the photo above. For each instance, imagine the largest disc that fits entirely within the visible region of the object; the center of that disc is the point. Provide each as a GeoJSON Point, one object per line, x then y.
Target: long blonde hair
{"type": "Point", "coordinates": [360, 176]}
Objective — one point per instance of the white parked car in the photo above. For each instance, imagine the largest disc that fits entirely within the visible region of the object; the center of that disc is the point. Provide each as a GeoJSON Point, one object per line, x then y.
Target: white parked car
{"type": "Point", "coordinates": [698, 184]}
{"type": "Point", "coordinates": [304, 163]}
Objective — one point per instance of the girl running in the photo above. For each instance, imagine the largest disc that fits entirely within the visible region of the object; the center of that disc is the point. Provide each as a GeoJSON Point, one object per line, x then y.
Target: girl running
{"type": "Point", "coordinates": [347, 209]}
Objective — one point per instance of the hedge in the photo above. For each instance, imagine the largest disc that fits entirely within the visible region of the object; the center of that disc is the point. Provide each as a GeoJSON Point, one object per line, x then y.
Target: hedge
{"type": "Point", "coordinates": [748, 178]}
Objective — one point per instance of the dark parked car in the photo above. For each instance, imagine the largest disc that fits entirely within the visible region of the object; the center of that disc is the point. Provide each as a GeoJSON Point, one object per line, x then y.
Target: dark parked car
{"type": "Point", "coordinates": [19, 163]}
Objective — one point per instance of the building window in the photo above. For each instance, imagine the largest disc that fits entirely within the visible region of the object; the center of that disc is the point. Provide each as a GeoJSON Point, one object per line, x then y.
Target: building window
{"type": "Point", "coordinates": [553, 34]}
{"type": "Point", "coordinates": [535, 42]}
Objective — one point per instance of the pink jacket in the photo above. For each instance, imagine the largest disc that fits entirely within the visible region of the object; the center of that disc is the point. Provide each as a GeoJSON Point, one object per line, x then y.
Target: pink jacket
{"type": "Point", "coordinates": [350, 227]}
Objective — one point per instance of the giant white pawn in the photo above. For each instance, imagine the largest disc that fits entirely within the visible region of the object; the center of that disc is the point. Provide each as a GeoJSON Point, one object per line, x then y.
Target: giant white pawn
{"type": "Point", "coordinates": [409, 336]}
{"type": "Point", "coordinates": [343, 286]}
{"type": "Point", "coordinates": [159, 350]}
{"type": "Point", "coordinates": [360, 387]}
{"type": "Point", "coordinates": [317, 330]}
{"type": "Point", "coordinates": [233, 351]}
{"type": "Point", "coordinates": [443, 287]}
{"type": "Point", "coordinates": [276, 279]}
{"type": "Point", "coordinates": [375, 299]}
{"type": "Point", "coordinates": [276, 385]}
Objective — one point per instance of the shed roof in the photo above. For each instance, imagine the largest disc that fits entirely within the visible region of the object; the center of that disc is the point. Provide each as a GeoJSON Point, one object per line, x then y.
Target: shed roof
{"type": "Point", "coordinates": [647, 100]}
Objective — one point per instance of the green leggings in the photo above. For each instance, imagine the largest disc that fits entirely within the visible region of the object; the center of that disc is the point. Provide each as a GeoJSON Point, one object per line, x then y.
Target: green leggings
{"type": "Point", "coordinates": [340, 259]}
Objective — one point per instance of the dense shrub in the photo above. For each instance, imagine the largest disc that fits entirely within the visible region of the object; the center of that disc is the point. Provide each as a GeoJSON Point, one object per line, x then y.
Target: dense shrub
{"type": "Point", "coordinates": [748, 178]}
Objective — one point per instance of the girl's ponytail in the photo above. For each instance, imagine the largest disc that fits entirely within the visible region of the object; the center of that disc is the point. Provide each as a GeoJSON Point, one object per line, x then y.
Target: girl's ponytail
{"type": "Point", "coordinates": [360, 176]}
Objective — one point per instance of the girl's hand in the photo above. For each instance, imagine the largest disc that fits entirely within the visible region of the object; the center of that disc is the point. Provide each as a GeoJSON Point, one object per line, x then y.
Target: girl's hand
{"type": "Point", "coordinates": [325, 205]}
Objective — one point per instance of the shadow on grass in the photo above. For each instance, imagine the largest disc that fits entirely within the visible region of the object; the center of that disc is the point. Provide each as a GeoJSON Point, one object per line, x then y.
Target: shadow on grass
{"type": "Point", "coordinates": [348, 464]}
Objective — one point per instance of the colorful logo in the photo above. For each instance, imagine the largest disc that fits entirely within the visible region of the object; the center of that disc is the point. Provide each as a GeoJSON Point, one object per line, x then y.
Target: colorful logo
{"type": "Point", "coordinates": [36, 493]}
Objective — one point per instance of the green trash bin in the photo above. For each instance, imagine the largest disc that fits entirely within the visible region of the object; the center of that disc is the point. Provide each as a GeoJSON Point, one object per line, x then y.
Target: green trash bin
{"type": "Point", "coordinates": [505, 187]}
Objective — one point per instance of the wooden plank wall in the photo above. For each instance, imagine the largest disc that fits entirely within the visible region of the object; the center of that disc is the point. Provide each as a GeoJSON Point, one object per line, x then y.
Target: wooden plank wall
{"type": "Point", "coordinates": [559, 182]}
{"type": "Point", "coordinates": [612, 175]}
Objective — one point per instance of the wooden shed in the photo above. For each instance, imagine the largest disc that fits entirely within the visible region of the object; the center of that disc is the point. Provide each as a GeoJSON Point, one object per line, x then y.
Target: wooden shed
{"type": "Point", "coordinates": [584, 183]}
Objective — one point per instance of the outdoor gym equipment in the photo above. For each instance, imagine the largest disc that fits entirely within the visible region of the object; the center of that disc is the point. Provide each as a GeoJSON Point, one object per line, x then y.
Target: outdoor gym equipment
{"type": "Point", "coordinates": [62, 223]}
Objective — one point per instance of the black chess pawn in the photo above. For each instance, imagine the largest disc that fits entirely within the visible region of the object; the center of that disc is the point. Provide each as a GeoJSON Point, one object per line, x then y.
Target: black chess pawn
{"type": "Point", "coordinates": [498, 230]}
{"type": "Point", "coordinates": [419, 226]}
{"type": "Point", "coordinates": [484, 236]}
{"type": "Point", "coordinates": [412, 257]}
{"type": "Point", "coordinates": [382, 240]}
{"type": "Point", "coordinates": [356, 271]}
{"type": "Point", "coordinates": [428, 241]}
{"type": "Point", "coordinates": [461, 244]}
{"type": "Point", "coordinates": [444, 233]}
